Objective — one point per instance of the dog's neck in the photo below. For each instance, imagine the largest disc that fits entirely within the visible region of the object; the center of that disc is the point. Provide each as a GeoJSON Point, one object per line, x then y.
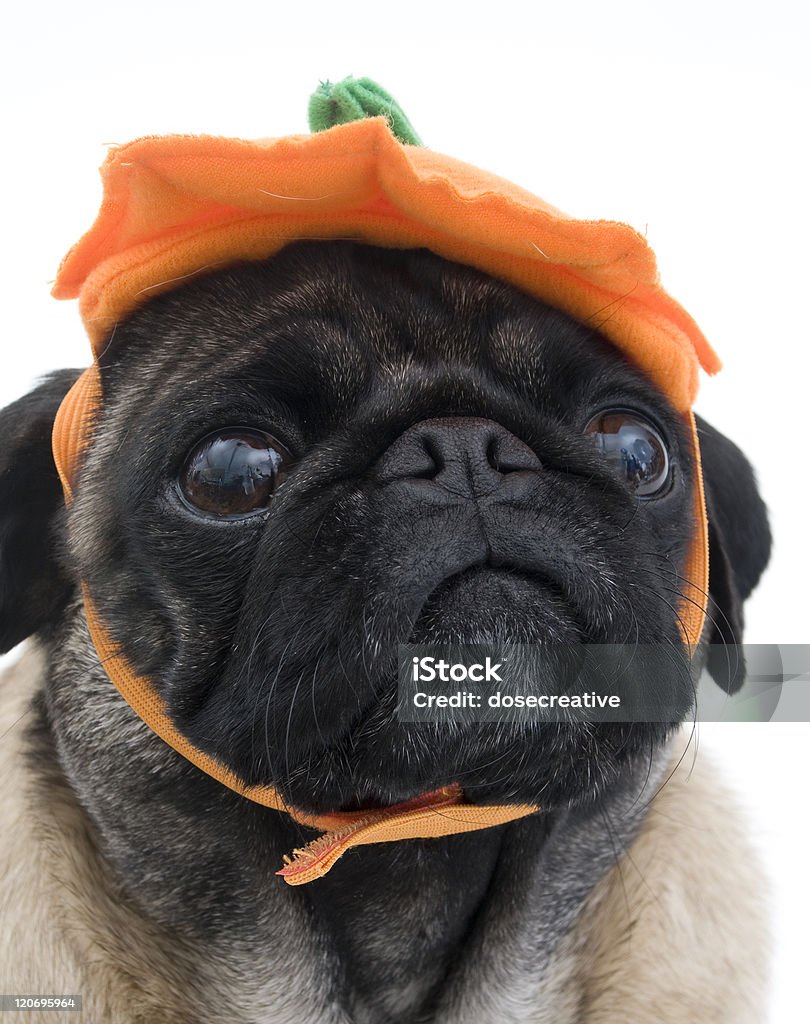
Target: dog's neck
{"type": "Point", "coordinates": [395, 932]}
{"type": "Point", "coordinates": [398, 916]}
{"type": "Point", "coordinates": [413, 925]}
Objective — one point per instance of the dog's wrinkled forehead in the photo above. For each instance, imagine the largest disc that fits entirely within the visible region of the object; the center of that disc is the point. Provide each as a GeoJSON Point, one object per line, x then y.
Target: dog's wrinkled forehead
{"type": "Point", "coordinates": [325, 325]}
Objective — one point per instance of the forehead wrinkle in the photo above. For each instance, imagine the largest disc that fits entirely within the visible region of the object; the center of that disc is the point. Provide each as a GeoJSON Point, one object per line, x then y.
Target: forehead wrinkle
{"type": "Point", "coordinates": [515, 340]}
{"type": "Point", "coordinates": [470, 292]}
{"type": "Point", "coordinates": [431, 325]}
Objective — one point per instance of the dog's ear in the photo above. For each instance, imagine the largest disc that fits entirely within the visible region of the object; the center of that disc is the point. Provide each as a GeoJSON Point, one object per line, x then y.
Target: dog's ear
{"type": "Point", "coordinates": [33, 585]}
{"type": "Point", "coordinates": [739, 549]}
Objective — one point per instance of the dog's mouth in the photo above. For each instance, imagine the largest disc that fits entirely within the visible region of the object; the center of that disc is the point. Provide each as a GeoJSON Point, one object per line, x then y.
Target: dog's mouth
{"type": "Point", "coordinates": [487, 602]}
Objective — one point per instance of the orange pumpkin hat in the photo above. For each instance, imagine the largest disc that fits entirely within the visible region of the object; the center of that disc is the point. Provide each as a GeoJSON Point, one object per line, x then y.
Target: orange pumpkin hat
{"type": "Point", "coordinates": [176, 206]}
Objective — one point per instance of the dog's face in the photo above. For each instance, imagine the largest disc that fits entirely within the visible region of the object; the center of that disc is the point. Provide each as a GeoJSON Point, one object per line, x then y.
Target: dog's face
{"type": "Point", "coordinates": [304, 462]}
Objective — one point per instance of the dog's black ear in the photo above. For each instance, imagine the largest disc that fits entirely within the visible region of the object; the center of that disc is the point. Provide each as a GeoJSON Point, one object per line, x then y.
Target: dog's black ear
{"type": "Point", "coordinates": [739, 549]}
{"type": "Point", "coordinates": [33, 585]}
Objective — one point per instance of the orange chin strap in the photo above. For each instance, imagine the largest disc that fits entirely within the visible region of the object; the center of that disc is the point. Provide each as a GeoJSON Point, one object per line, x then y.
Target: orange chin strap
{"type": "Point", "coordinates": [181, 205]}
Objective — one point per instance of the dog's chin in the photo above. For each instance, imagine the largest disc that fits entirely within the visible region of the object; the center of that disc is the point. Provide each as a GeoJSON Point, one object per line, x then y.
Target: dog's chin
{"type": "Point", "coordinates": [553, 766]}
{"type": "Point", "coordinates": [488, 604]}
{"type": "Point", "coordinates": [386, 761]}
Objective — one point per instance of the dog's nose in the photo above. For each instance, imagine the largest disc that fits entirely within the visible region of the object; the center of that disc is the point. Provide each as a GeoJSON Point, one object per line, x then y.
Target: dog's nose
{"type": "Point", "coordinates": [463, 455]}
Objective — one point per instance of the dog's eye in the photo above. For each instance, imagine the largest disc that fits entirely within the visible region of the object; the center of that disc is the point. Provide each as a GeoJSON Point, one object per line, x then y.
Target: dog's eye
{"type": "Point", "coordinates": [233, 472]}
{"type": "Point", "coordinates": [635, 447]}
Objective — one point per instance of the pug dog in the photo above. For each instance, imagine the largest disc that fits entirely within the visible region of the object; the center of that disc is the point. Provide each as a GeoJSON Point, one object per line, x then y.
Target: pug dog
{"type": "Point", "coordinates": [301, 463]}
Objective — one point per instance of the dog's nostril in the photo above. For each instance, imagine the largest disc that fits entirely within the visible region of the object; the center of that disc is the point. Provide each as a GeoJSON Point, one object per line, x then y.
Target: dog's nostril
{"type": "Point", "coordinates": [435, 455]}
{"type": "Point", "coordinates": [506, 453]}
{"type": "Point", "coordinates": [492, 454]}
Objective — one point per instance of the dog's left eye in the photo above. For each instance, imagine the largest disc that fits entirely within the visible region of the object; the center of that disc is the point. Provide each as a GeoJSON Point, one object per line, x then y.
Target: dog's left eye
{"type": "Point", "coordinates": [233, 473]}
{"type": "Point", "coordinates": [636, 448]}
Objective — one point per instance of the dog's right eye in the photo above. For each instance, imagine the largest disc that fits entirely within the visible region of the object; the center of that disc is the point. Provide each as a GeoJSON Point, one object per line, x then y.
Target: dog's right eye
{"type": "Point", "coordinates": [233, 473]}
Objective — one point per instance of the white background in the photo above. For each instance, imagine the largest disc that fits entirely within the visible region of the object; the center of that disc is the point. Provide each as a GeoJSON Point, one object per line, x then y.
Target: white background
{"type": "Point", "coordinates": [688, 121]}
